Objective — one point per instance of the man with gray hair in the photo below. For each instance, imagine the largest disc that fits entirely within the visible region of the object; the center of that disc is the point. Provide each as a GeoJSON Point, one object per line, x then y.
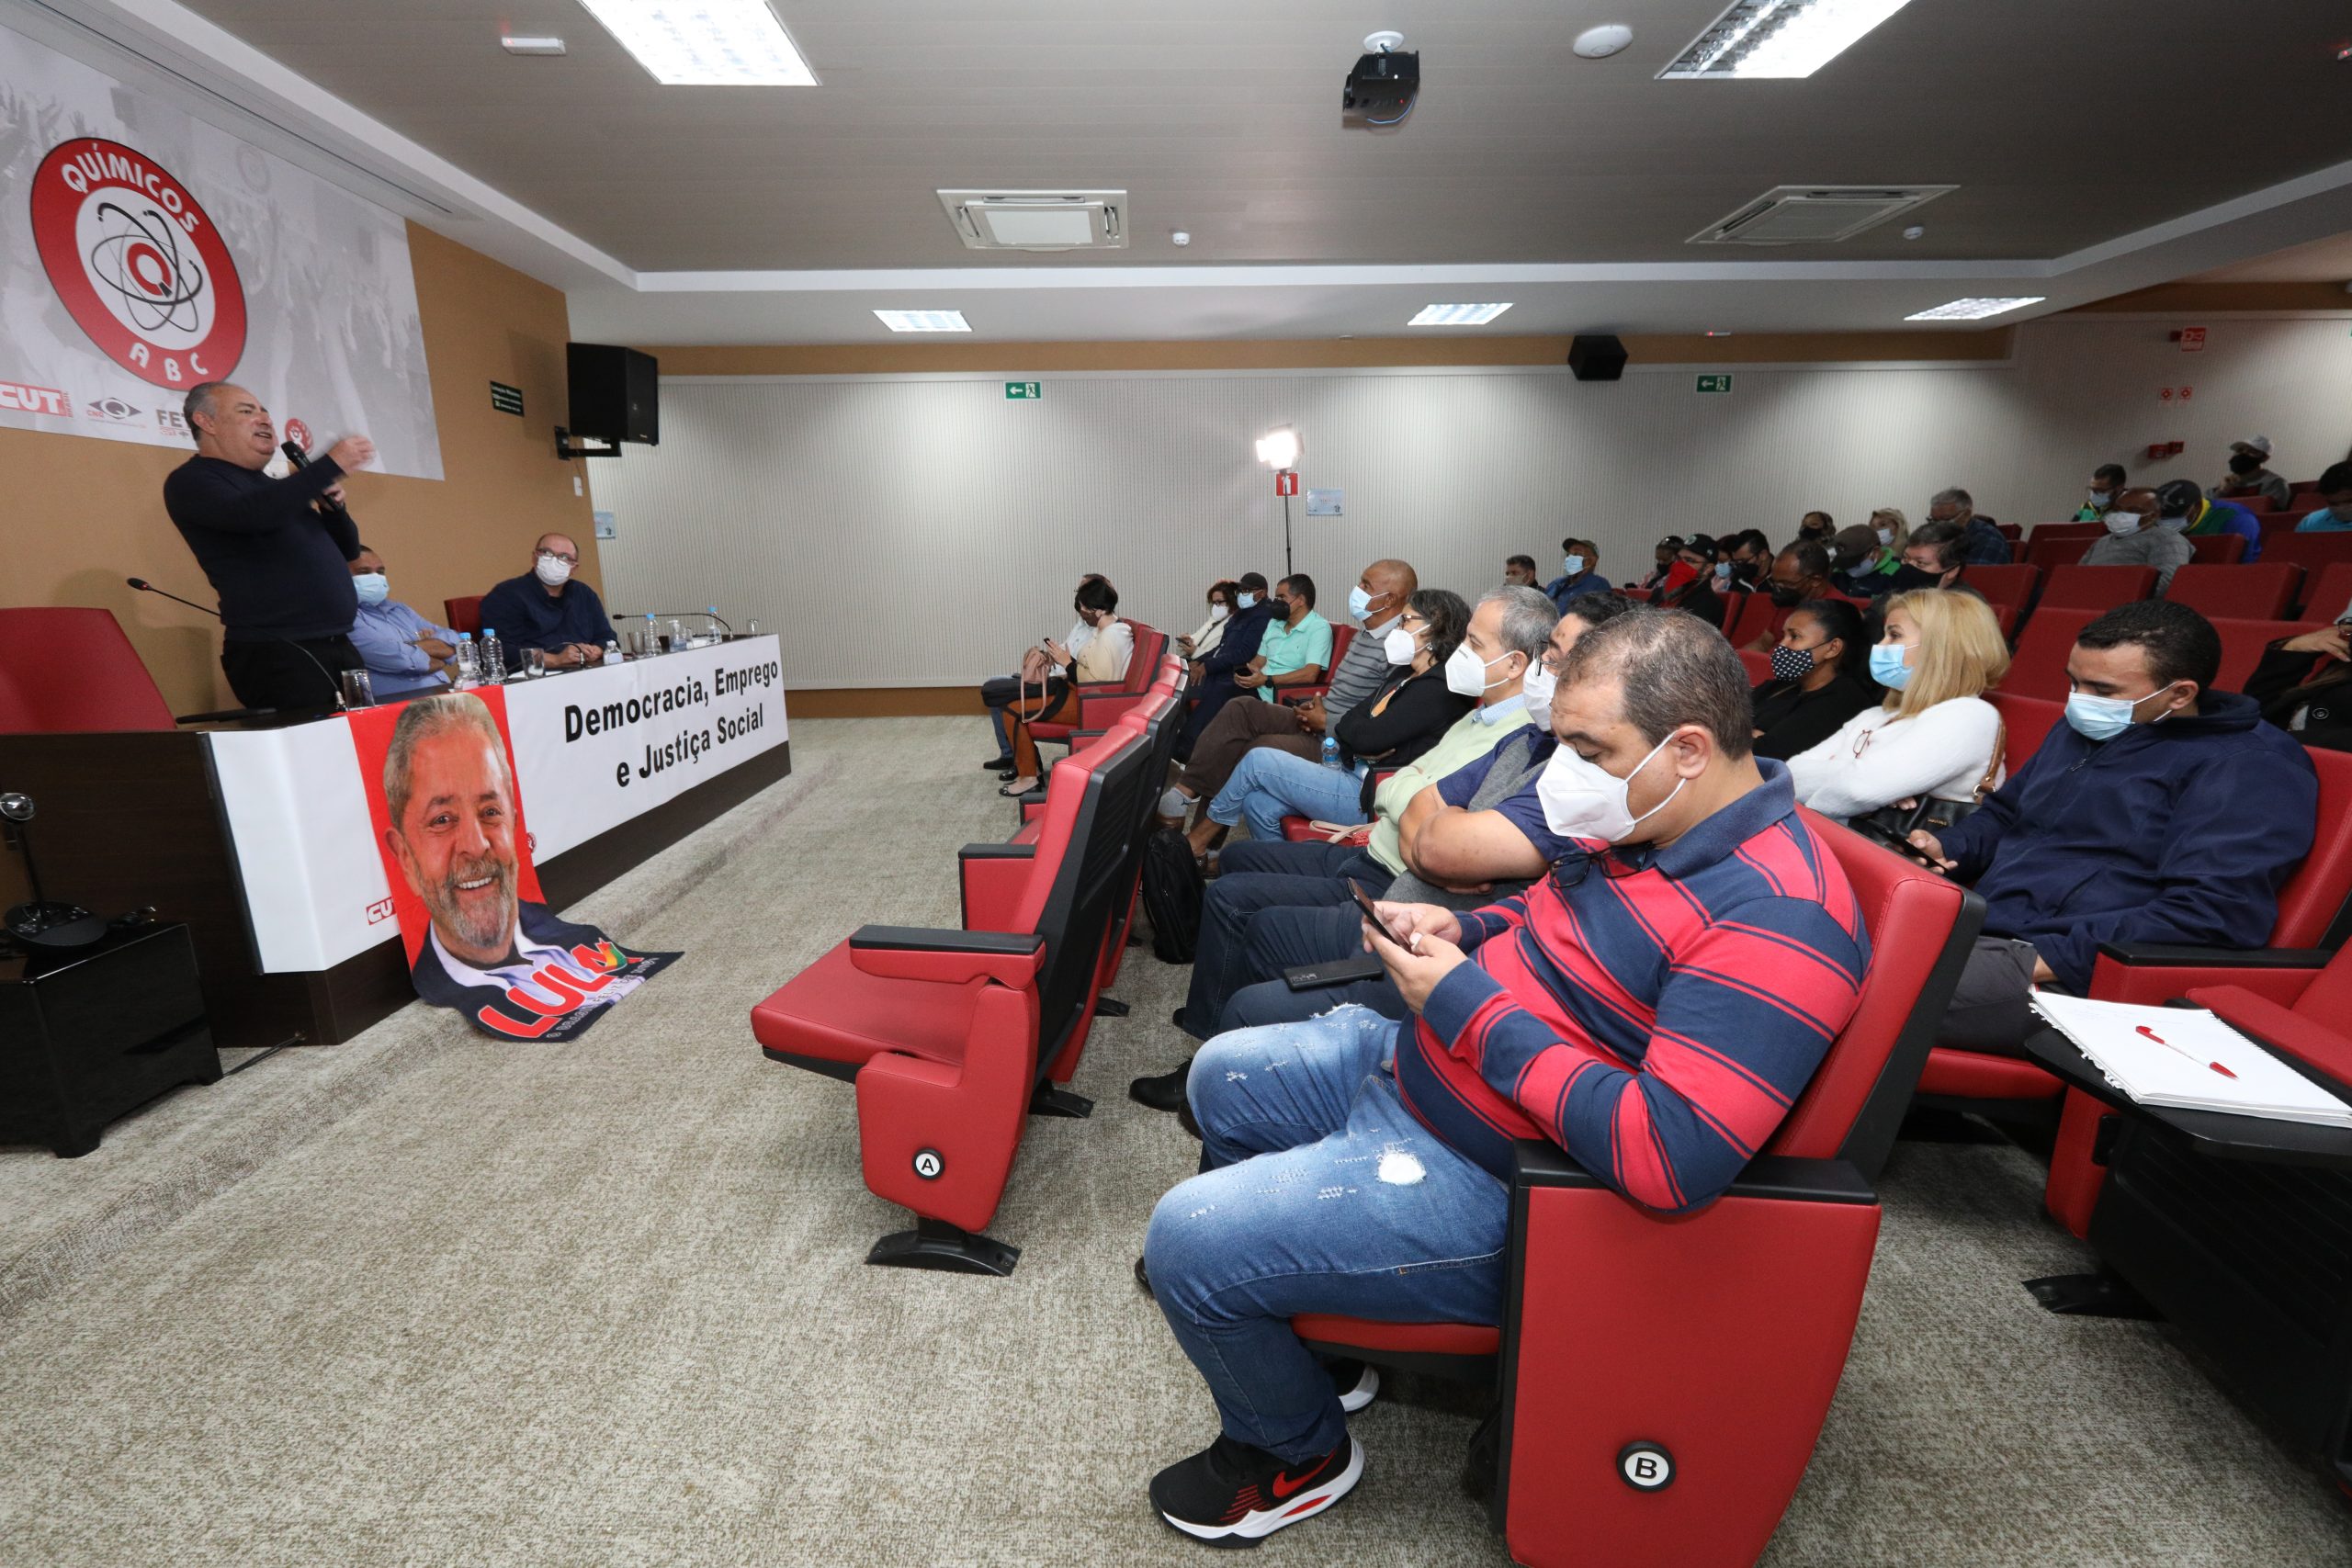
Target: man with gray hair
{"type": "Point", "coordinates": [1986, 543]}
{"type": "Point", "coordinates": [1508, 632]}
{"type": "Point", "coordinates": [275, 550]}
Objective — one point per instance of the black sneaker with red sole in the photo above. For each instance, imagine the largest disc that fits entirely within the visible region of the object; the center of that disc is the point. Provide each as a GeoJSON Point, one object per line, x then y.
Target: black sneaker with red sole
{"type": "Point", "coordinates": [1232, 1494]}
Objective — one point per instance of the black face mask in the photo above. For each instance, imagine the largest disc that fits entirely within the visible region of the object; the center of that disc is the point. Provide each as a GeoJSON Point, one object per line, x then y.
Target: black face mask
{"type": "Point", "coordinates": [1911, 577]}
{"type": "Point", "coordinates": [1785, 597]}
{"type": "Point", "coordinates": [2244, 463]}
{"type": "Point", "coordinates": [1742, 571]}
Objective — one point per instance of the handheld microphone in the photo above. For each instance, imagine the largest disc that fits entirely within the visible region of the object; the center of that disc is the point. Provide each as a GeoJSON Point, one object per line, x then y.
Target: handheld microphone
{"type": "Point", "coordinates": [334, 685]}
{"type": "Point", "coordinates": [299, 459]}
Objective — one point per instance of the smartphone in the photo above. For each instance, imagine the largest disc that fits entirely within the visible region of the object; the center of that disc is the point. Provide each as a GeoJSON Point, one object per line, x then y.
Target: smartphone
{"type": "Point", "coordinates": [1372, 910]}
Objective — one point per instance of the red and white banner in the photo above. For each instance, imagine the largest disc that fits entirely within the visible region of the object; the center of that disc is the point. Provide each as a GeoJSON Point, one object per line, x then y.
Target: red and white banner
{"type": "Point", "coordinates": [146, 251]}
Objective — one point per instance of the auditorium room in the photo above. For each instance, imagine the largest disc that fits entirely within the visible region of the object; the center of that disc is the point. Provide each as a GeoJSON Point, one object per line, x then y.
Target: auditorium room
{"type": "Point", "coordinates": [798, 783]}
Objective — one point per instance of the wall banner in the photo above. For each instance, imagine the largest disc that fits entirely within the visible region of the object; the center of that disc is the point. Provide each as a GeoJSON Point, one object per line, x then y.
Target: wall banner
{"type": "Point", "coordinates": [439, 776]}
{"type": "Point", "coordinates": [142, 252]}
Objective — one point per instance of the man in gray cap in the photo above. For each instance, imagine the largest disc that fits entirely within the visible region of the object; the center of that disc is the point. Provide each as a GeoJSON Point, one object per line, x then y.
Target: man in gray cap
{"type": "Point", "coordinates": [2250, 474]}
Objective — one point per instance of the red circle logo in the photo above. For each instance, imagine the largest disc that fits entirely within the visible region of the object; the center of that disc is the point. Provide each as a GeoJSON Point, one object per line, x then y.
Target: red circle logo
{"type": "Point", "coordinates": [298, 433]}
{"type": "Point", "coordinates": [139, 264]}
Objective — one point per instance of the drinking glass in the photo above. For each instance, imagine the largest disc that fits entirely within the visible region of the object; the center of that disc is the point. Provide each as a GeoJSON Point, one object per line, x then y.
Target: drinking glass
{"type": "Point", "coordinates": [358, 689]}
{"type": "Point", "coordinates": [535, 663]}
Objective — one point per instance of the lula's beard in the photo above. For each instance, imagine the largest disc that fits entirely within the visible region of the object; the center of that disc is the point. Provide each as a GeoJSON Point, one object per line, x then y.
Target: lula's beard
{"type": "Point", "coordinates": [485, 928]}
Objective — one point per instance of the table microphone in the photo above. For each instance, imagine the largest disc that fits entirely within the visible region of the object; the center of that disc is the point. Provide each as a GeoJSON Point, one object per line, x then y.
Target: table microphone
{"type": "Point", "coordinates": [299, 459]}
{"type": "Point", "coordinates": [334, 685]}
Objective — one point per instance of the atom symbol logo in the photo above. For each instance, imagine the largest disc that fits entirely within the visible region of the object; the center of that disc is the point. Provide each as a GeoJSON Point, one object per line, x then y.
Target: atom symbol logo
{"type": "Point", "coordinates": [156, 285]}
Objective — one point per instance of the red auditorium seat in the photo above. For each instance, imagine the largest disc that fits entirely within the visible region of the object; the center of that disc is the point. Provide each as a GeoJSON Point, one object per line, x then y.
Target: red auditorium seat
{"type": "Point", "coordinates": [1757, 1293]}
{"type": "Point", "coordinates": [2038, 667]}
{"type": "Point", "coordinates": [2074, 587]}
{"type": "Point", "coordinates": [2260, 505]}
{"type": "Point", "coordinates": [1754, 616]}
{"type": "Point", "coordinates": [1143, 668]}
{"type": "Point", "coordinates": [1757, 665]}
{"type": "Point", "coordinates": [2069, 529]}
{"type": "Point", "coordinates": [2050, 550]}
{"type": "Point", "coordinates": [1340, 637]}
{"type": "Point", "coordinates": [2242, 642]}
{"type": "Point", "coordinates": [2013, 532]}
{"type": "Point", "coordinates": [2217, 549]}
{"type": "Point", "coordinates": [2330, 595]}
{"type": "Point", "coordinates": [2028, 721]}
{"type": "Point", "coordinates": [2312, 552]}
{"type": "Point", "coordinates": [2004, 585]}
{"type": "Point", "coordinates": [2263, 591]}
{"type": "Point", "coordinates": [70, 669]}
{"type": "Point", "coordinates": [462, 615]}
{"type": "Point", "coordinates": [954, 1038]}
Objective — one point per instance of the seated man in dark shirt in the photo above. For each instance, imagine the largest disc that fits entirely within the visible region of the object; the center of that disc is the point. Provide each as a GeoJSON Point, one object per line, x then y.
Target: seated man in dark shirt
{"type": "Point", "coordinates": [545, 609]}
{"type": "Point", "coordinates": [277, 551]}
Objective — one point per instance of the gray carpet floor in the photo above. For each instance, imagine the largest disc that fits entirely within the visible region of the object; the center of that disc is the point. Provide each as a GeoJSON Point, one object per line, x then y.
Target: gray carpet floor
{"type": "Point", "coordinates": [427, 1299]}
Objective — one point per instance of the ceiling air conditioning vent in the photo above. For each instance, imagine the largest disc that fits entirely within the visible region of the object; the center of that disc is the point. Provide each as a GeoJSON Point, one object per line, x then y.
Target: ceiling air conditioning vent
{"type": "Point", "coordinates": [1038, 220]}
{"type": "Point", "coordinates": [1814, 215]}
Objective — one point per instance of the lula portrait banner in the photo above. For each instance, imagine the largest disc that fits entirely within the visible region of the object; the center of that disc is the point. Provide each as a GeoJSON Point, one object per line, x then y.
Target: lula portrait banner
{"type": "Point", "coordinates": [143, 252]}
{"type": "Point", "coordinates": [439, 773]}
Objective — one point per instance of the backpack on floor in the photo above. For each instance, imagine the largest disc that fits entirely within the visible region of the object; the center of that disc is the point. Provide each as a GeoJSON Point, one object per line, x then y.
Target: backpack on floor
{"type": "Point", "coordinates": [1172, 896]}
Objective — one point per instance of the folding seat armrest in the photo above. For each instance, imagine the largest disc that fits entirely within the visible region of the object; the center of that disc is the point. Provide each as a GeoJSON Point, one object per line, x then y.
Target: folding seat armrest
{"type": "Point", "coordinates": [2152, 973]}
{"type": "Point", "coordinates": [1100, 709]}
{"type": "Point", "coordinates": [1767, 1176]}
{"type": "Point", "coordinates": [1031, 809]}
{"type": "Point", "coordinates": [916, 952]}
{"type": "Point", "coordinates": [993, 878]}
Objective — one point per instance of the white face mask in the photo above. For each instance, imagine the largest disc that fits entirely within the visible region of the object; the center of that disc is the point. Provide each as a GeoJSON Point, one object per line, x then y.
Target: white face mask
{"type": "Point", "coordinates": [1465, 673]}
{"type": "Point", "coordinates": [2122, 522]}
{"type": "Point", "coordinates": [1886, 536]}
{"type": "Point", "coordinates": [1400, 646]}
{"type": "Point", "coordinates": [552, 572]}
{"type": "Point", "coordinates": [1217, 612]}
{"type": "Point", "coordinates": [1585, 800]}
{"type": "Point", "coordinates": [2101, 497]}
{"type": "Point", "coordinates": [1539, 685]}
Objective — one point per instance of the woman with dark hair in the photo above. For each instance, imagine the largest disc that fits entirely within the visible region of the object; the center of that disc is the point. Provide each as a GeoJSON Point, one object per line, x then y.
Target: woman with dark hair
{"type": "Point", "coordinates": [1820, 678]}
{"type": "Point", "coordinates": [1402, 719]}
{"type": "Point", "coordinates": [1104, 658]}
{"type": "Point", "coordinates": [1203, 643]}
{"type": "Point", "coordinates": [2305, 684]}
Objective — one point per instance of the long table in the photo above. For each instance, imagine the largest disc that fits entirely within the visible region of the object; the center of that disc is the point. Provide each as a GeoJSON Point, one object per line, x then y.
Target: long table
{"type": "Point", "coordinates": [260, 839]}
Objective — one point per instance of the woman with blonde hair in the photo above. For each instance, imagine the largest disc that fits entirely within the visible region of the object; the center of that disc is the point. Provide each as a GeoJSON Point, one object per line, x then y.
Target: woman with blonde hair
{"type": "Point", "coordinates": [1935, 738]}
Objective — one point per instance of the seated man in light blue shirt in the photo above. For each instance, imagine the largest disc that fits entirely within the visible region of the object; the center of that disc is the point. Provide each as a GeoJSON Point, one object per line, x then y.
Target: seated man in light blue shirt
{"type": "Point", "coordinates": [405, 653]}
{"type": "Point", "coordinates": [2336, 490]}
{"type": "Point", "coordinates": [1296, 648]}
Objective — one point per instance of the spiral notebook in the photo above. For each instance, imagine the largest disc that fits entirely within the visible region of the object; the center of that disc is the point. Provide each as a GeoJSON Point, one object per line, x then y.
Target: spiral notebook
{"type": "Point", "coordinates": [2185, 1059]}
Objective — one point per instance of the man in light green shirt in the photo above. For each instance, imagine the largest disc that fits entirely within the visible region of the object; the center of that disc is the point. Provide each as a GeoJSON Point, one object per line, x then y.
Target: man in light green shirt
{"type": "Point", "coordinates": [1294, 650]}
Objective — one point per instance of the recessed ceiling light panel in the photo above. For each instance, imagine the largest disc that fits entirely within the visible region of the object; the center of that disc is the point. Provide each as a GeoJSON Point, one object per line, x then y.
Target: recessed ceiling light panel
{"type": "Point", "coordinates": [1977, 310]}
{"type": "Point", "coordinates": [547, 43]}
{"type": "Point", "coordinates": [1456, 315]}
{"type": "Point", "coordinates": [1778, 37]}
{"type": "Point", "coordinates": [924, 321]}
{"type": "Point", "coordinates": [706, 43]}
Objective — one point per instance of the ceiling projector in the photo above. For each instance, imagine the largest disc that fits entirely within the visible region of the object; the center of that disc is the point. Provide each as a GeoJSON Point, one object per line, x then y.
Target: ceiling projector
{"type": "Point", "coordinates": [1381, 89]}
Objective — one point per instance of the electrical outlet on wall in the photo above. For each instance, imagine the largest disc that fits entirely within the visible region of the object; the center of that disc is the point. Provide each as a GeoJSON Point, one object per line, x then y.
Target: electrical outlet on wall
{"type": "Point", "coordinates": [576, 488]}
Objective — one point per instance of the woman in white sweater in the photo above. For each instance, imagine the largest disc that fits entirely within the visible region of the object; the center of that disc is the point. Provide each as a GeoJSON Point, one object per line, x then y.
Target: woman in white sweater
{"type": "Point", "coordinates": [1203, 643]}
{"type": "Point", "coordinates": [1935, 735]}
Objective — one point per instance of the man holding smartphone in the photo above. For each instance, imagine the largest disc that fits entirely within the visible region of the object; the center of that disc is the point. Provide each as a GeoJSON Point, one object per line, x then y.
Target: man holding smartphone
{"type": "Point", "coordinates": [1353, 1164]}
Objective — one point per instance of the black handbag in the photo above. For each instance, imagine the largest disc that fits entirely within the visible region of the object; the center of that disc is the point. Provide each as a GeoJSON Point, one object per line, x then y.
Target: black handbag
{"type": "Point", "coordinates": [1899, 823]}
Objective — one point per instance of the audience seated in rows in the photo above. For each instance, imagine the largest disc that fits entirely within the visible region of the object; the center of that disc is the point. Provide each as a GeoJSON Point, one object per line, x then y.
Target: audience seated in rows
{"type": "Point", "coordinates": [1508, 634]}
{"type": "Point", "coordinates": [1986, 544]}
{"type": "Point", "coordinates": [2305, 684]}
{"type": "Point", "coordinates": [1216, 680]}
{"type": "Point", "coordinates": [1379, 598]}
{"type": "Point", "coordinates": [1934, 739]}
{"type": "Point", "coordinates": [1471, 837]}
{"type": "Point", "coordinates": [2108, 482]}
{"type": "Point", "coordinates": [1690, 581]}
{"type": "Point", "coordinates": [1200, 644]}
{"type": "Point", "coordinates": [1820, 678]}
{"type": "Point", "coordinates": [1580, 563]}
{"type": "Point", "coordinates": [2187, 509]}
{"type": "Point", "coordinates": [2335, 512]}
{"type": "Point", "coordinates": [1431, 683]}
{"type": "Point", "coordinates": [1101, 645]}
{"type": "Point", "coordinates": [545, 609]}
{"type": "Point", "coordinates": [2164, 812]}
{"type": "Point", "coordinates": [2250, 474]}
{"type": "Point", "coordinates": [1600, 1011]}
{"type": "Point", "coordinates": [405, 654]}
{"type": "Point", "coordinates": [2137, 537]}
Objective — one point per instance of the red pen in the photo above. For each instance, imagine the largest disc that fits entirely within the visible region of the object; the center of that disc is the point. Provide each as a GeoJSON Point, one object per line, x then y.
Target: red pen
{"type": "Point", "coordinates": [2170, 1046]}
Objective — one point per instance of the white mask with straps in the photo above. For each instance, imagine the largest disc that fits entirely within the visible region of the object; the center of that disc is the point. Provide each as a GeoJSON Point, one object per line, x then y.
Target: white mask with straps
{"type": "Point", "coordinates": [1585, 800]}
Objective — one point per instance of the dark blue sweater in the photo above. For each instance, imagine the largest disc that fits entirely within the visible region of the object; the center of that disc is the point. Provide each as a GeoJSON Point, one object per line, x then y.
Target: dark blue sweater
{"type": "Point", "coordinates": [278, 567]}
{"type": "Point", "coordinates": [2179, 831]}
{"type": "Point", "coordinates": [524, 615]}
{"type": "Point", "coordinates": [1239, 645]}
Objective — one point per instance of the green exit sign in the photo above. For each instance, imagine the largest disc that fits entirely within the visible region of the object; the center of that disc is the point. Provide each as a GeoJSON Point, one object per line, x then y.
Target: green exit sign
{"type": "Point", "coordinates": [1715, 383]}
{"type": "Point", "coordinates": [1026, 390]}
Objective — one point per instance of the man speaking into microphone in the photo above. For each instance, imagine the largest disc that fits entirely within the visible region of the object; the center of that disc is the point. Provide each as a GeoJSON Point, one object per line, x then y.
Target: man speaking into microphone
{"type": "Point", "coordinates": [275, 550]}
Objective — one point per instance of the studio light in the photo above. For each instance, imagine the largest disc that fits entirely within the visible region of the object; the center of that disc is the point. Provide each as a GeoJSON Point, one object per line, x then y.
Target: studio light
{"type": "Point", "coordinates": [1280, 448]}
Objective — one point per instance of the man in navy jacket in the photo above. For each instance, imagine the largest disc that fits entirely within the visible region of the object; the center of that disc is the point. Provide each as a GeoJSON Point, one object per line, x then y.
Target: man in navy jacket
{"type": "Point", "coordinates": [1213, 684]}
{"type": "Point", "coordinates": [2164, 812]}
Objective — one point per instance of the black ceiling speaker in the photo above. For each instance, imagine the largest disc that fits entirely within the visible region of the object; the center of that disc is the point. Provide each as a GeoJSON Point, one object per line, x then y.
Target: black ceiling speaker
{"type": "Point", "coordinates": [615, 393]}
{"type": "Point", "coordinates": [1596, 359]}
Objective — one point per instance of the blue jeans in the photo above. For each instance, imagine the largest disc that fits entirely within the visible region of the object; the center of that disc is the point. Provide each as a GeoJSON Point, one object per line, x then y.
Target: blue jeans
{"type": "Point", "coordinates": [1271, 784]}
{"type": "Point", "coordinates": [1321, 1193]}
{"type": "Point", "coordinates": [1263, 875]}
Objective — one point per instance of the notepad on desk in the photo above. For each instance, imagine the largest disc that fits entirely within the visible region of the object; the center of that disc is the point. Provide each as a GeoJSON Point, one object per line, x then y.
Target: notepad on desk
{"type": "Point", "coordinates": [2185, 1059]}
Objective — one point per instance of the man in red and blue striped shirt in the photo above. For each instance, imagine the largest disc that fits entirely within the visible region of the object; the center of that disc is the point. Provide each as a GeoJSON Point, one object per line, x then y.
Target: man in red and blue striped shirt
{"type": "Point", "coordinates": [1654, 1007]}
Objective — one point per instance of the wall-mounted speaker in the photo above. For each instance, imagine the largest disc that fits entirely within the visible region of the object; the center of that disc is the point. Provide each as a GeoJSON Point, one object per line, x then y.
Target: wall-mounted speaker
{"type": "Point", "coordinates": [615, 393]}
{"type": "Point", "coordinates": [1600, 358]}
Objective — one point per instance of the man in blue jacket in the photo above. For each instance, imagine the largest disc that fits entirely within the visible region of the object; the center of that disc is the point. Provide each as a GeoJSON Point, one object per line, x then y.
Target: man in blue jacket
{"type": "Point", "coordinates": [1212, 685]}
{"type": "Point", "coordinates": [2164, 812]}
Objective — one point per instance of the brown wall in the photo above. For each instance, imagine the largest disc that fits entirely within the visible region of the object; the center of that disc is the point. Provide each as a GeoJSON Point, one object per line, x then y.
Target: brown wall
{"type": "Point", "coordinates": [82, 514]}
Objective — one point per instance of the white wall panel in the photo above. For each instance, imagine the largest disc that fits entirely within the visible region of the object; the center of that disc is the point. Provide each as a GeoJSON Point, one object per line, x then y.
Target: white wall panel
{"type": "Point", "coordinates": [919, 531]}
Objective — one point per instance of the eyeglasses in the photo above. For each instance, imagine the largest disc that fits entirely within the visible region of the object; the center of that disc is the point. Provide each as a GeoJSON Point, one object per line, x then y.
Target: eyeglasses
{"type": "Point", "coordinates": [558, 555]}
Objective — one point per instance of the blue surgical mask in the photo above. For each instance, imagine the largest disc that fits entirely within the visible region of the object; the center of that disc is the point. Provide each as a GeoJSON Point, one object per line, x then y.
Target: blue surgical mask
{"type": "Point", "coordinates": [1246, 599]}
{"type": "Point", "coordinates": [1359, 603]}
{"type": "Point", "coordinates": [1575, 565]}
{"type": "Point", "coordinates": [1887, 666]}
{"type": "Point", "coordinates": [2102, 719]}
{"type": "Point", "coordinates": [374, 587]}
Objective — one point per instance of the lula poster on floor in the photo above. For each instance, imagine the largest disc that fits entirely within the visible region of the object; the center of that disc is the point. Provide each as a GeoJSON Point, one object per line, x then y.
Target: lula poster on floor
{"type": "Point", "coordinates": [448, 822]}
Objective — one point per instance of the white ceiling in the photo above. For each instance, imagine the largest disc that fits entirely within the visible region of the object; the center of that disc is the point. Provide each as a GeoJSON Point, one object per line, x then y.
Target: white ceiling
{"type": "Point", "coordinates": [1567, 186]}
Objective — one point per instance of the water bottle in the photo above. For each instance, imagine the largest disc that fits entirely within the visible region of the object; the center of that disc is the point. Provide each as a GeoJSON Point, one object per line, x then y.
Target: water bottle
{"type": "Point", "coordinates": [492, 658]}
{"type": "Point", "coordinates": [652, 636]}
{"type": "Point", "coordinates": [677, 637]}
{"type": "Point", "coordinates": [713, 614]}
{"type": "Point", "coordinates": [469, 666]}
{"type": "Point", "coordinates": [1330, 752]}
